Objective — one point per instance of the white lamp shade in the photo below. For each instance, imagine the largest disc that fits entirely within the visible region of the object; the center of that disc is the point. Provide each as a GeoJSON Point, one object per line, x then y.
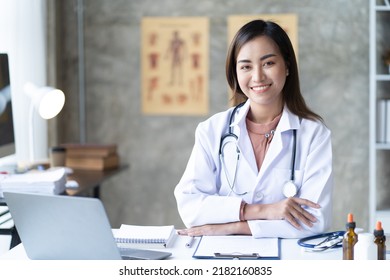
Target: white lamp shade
{"type": "Point", "coordinates": [47, 101]}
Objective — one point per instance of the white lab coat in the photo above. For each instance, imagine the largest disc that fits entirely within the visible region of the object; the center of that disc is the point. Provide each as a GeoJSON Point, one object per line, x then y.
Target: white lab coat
{"type": "Point", "coordinates": [204, 195]}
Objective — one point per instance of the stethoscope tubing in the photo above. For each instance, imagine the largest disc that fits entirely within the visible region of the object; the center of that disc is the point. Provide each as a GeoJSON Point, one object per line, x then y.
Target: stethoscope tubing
{"type": "Point", "coordinates": [292, 177]}
{"type": "Point", "coordinates": [232, 134]}
{"type": "Point", "coordinates": [303, 241]}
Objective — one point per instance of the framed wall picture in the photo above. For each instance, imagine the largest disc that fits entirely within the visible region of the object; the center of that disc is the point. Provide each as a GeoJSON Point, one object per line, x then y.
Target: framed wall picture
{"type": "Point", "coordinates": [175, 65]}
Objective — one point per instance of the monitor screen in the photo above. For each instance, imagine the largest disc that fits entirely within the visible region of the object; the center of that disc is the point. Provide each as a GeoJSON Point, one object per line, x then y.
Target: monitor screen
{"type": "Point", "coordinates": [7, 138]}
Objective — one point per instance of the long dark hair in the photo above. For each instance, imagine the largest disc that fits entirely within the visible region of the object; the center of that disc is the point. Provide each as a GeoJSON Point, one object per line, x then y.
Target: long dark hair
{"type": "Point", "coordinates": [292, 95]}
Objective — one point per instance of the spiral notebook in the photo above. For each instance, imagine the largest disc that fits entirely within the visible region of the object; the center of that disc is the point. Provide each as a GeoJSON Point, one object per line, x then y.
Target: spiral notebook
{"type": "Point", "coordinates": [134, 236]}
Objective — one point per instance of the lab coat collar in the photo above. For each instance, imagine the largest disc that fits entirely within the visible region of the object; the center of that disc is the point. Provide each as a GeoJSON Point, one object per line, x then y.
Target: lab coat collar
{"type": "Point", "coordinates": [241, 114]}
{"type": "Point", "coordinates": [287, 121]}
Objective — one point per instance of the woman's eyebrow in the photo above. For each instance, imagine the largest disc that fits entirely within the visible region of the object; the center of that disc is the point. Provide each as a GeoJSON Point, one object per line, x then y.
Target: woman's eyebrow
{"type": "Point", "coordinates": [244, 61]}
{"type": "Point", "coordinates": [267, 56]}
{"type": "Point", "coordinates": [264, 57]}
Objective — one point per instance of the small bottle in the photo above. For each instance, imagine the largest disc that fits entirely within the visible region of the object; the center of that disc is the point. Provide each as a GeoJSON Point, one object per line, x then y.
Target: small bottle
{"type": "Point", "coordinates": [350, 239]}
{"type": "Point", "coordinates": [380, 241]}
{"type": "Point", "coordinates": [365, 249]}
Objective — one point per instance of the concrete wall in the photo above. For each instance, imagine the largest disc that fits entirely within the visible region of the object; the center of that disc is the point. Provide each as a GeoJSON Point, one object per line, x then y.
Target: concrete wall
{"type": "Point", "coordinates": [333, 59]}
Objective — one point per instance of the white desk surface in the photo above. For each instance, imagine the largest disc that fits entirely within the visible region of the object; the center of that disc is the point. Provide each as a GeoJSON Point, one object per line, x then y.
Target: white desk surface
{"type": "Point", "coordinates": [290, 250]}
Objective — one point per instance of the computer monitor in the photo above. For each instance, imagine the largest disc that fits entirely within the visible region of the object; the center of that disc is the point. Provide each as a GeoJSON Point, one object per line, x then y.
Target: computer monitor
{"type": "Point", "coordinates": [7, 135]}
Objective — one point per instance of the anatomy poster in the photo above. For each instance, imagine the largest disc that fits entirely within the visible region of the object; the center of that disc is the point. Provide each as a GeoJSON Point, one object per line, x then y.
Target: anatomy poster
{"type": "Point", "coordinates": [174, 57]}
{"type": "Point", "coordinates": [289, 22]}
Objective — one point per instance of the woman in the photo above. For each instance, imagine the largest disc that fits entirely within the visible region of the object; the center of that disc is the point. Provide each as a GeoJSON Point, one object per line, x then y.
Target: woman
{"type": "Point", "coordinates": [248, 173]}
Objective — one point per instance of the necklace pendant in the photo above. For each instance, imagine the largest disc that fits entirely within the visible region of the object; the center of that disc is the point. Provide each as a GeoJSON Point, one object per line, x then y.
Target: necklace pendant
{"type": "Point", "coordinates": [267, 135]}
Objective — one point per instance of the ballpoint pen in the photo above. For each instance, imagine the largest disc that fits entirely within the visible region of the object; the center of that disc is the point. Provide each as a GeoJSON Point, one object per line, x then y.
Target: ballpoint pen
{"type": "Point", "coordinates": [190, 241]}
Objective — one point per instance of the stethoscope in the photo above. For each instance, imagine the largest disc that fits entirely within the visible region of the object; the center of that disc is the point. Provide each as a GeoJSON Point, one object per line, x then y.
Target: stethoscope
{"type": "Point", "coordinates": [289, 188]}
{"type": "Point", "coordinates": [330, 240]}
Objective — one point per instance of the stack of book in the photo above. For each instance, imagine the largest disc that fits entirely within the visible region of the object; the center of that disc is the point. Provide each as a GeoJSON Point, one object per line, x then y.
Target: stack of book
{"type": "Point", "coordinates": [51, 181]}
{"type": "Point", "coordinates": [91, 156]}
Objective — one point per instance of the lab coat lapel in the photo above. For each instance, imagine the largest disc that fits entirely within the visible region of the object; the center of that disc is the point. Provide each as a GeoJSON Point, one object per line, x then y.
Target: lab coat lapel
{"type": "Point", "coordinates": [244, 143]}
{"type": "Point", "coordinates": [273, 152]}
{"type": "Point", "coordinates": [248, 155]}
{"type": "Point", "coordinates": [287, 122]}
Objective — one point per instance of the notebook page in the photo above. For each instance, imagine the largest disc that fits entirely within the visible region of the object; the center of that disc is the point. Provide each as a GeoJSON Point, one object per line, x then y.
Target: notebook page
{"type": "Point", "coordinates": [145, 233]}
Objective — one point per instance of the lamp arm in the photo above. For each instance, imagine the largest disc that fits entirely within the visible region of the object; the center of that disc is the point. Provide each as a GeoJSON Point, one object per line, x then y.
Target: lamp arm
{"type": "Point", "coordinates": [31, 133]}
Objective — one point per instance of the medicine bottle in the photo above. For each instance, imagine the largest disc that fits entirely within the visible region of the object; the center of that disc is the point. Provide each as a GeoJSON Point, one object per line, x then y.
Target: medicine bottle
{"type": "Point", "coordinates": [365, 249]}
{"type": "Point", "coordinates": [350, 238]}
{"type": "Point", "coordinates": [380, 241]}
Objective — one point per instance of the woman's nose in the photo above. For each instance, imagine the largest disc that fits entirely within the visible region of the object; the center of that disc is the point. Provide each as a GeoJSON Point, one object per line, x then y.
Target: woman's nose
{"type": "Point", "coordinates": [258, 74]}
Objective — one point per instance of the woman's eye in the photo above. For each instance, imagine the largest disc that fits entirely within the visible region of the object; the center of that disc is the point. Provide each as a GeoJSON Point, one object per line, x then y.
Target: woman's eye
{"type": "Point", "coordinates": [245, 67]}
{"type": "Point", "coordinates": [268, 63]}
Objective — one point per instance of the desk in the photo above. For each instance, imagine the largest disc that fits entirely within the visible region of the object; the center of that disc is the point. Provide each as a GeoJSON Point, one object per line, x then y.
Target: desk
{"type": "Point", "coordinates": [290, 250]}
{"type": "Point", "coordinates": [91, 180]}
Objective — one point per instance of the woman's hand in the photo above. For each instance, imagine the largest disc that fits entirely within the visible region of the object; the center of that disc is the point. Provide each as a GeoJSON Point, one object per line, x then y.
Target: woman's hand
{"type": "Point", "coordinates": [217, 229]}
{"type": "Point", "coordinates": [291, 209]}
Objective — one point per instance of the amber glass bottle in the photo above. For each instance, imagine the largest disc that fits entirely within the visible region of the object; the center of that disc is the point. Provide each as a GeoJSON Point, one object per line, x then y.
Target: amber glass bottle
{"type": "Point", "coordinates": [350, 239]}
{"type": "Point", "coordinates": [380, 240]}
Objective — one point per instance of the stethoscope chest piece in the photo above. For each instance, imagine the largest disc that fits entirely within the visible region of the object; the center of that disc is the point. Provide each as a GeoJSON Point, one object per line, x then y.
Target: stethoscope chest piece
{"type": "Point", "coordinates": [289, 189]}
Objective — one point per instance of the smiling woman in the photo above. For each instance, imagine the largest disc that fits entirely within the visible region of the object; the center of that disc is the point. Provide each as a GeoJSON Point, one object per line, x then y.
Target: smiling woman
{"type": "Point", "coordinates": [275, 140]}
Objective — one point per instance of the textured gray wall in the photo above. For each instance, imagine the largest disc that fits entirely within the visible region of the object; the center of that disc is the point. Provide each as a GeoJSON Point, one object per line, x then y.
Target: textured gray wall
{"type": "Point", "coordinates": [333, 58]}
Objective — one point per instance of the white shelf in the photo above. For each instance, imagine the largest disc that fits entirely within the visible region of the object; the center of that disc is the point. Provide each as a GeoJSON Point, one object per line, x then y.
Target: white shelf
{"type": "Point", "coordinates": [383, 146]}
{"type": "Point", "coordinates": [382, 8]}
{"type": "Point", "coordinates": [375, 148]}
{"type": "Point", "coordinates": [383, 77]}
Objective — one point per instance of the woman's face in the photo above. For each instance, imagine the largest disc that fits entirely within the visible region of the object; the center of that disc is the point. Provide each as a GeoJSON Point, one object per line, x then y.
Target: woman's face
{"type": "Point", "coordinates": [261, 71]}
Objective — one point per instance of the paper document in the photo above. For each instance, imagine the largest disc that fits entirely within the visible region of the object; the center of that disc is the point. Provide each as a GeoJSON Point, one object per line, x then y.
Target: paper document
{"type": "Point", "coordinates": [237, 246]}
{"type": "Point", "coordinates": [48, 181]}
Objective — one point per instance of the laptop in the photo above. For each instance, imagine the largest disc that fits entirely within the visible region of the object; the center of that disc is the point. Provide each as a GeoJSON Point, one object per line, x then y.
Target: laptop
{"type": "Point", "coordinates": [60, 227]}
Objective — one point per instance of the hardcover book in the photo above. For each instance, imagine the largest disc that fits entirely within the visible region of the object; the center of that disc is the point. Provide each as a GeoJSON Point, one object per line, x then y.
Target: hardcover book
{"type": "Point", "coordinates": [90, 150]}
{"type": "Point", "coordinates": [92, 162]}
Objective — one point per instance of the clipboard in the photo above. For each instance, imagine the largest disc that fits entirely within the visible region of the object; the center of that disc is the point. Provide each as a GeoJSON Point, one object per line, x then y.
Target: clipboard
{"type": "Point", "coordinates": [237, 247]}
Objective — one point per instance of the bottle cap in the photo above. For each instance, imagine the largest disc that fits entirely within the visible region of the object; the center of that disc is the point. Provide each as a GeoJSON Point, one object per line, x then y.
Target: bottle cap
{"type": "Point", "coordinates": [378, 231]}
{"type": "Point", "coordinates": [350, 223]}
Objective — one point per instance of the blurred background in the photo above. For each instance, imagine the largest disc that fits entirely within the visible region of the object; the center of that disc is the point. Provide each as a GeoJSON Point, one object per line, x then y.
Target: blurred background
{"type": "Point", "coordinates": [103, 40]}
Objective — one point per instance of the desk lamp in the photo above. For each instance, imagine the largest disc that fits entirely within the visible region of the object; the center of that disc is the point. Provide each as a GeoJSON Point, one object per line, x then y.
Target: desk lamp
{"type": "Point", "coordinates": [47, 101]}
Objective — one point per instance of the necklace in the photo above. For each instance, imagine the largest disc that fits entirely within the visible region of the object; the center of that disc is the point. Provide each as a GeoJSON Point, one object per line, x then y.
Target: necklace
{"type": "Point", "coordinates": [269, 134]}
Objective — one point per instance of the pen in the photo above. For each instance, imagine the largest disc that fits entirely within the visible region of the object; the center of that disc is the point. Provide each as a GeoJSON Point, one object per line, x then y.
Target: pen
{"type": "Point", "coordinates": [190, 241]}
